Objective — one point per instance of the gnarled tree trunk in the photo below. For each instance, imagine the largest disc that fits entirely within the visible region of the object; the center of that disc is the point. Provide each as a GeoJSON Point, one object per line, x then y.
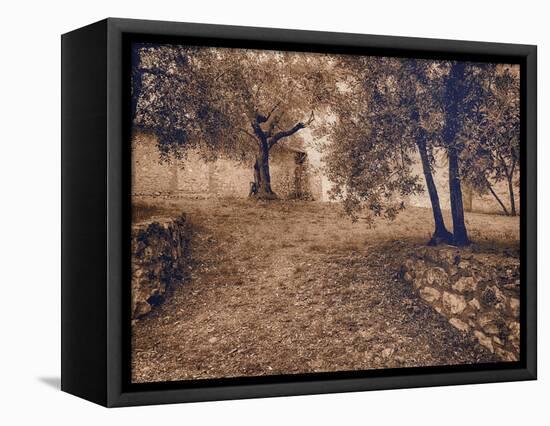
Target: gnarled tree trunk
{"type": "Point", "coordinates": [262, 177]}
{"type": "Point", "coordinates": [267, 140]}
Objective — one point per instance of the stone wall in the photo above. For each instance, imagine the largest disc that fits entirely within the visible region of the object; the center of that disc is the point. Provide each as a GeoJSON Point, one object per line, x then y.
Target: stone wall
{"type": "Point", "coordinates": [149, 177]}
{"type": "Point", "coordinates": [227, 178]}
{"type": "Point", "coordinates": [477, 293]}
{"type": "Point", "coordinates": [194, 177]}
{"type": "Point", "coordinates": [160, 252]}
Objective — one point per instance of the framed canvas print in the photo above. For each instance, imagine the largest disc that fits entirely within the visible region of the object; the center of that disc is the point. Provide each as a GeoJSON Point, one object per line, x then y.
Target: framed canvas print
{"type": "Point", "coordinates": [251, 212]}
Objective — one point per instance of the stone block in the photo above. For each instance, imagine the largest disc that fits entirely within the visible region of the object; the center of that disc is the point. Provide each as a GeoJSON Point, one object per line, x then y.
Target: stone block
{"type": "Point", "coordinates": [436, 276]}
{"type": "Point", "coordinates": [484, 340]}
{"type": "Point", "coordinates": [459, 324]}
{"type": "Point", "coordinates": [453, 303]}
{"type": "Point", "coordinates": [464, 284]}
{"type": "Point", "coordinates": [430, 294]}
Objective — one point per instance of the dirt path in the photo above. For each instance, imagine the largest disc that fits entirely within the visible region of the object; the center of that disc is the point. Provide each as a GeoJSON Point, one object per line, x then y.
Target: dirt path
{"type": "Point", "coordinates": [274, 291]}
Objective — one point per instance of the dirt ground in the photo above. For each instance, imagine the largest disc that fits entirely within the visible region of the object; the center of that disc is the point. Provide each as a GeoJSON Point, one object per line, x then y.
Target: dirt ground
{"type": "Point", "coordinates": [296, 287]}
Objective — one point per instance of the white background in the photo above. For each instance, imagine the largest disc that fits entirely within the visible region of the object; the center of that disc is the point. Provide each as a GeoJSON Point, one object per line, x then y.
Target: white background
{"type": "Point", "coordinates": [30, 211]}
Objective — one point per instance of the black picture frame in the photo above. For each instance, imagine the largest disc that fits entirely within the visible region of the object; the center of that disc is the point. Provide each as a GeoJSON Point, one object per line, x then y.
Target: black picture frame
{"type": "Point", "coordinates": [96, 212]}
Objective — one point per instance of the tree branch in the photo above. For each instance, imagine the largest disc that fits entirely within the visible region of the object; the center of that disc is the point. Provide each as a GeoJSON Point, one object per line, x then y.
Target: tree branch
{"type": "Point", "coordinates": [496, 197]}
{"type": "Point", "coordinates": [249, 134]}
{"type": "Point", "coordinates": [311, 118]}
{"type": "Point", "coordinates": [258, 87]}
{"type": "Point", "coordinates": [220, 75]}
{"type": "Point", "coordinates": [272, 110]}
{"type": "Point", "coordinates": [285, 133]}
{"type": "Point", "coordinates": [274, 124]}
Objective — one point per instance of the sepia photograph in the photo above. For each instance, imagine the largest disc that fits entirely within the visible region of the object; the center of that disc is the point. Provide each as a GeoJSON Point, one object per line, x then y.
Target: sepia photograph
{"type": "Point", "coordinates": [305, 212]}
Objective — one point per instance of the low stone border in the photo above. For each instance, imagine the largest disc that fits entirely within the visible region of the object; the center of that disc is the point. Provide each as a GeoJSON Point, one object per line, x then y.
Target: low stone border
{"type": "Point", "coordinates": [160, 252]}
{"type": "Point", "coordinates": [477, 292]}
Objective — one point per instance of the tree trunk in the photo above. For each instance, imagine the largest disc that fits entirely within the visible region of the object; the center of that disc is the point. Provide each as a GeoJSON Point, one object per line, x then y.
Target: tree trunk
{"type": "Point", "coordinates": [504, 209]}
{"type": "Point", "coordinates": [440, 235]}
{"type": "Point", "coordinates": [266, 141]}
{"type": "Point", "coordinates": [261, 174]}
{"type": "Point", "coordinates": [254, 185]}
{"type": "Point", "coordinates": [455, 93]}
{"type": "Point", "coordinates": [512, 201]}
{"type": "Point", "coordinates": [460, 235]}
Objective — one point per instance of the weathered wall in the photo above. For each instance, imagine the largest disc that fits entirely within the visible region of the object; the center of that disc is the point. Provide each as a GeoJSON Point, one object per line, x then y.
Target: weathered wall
{"type": "Point", "coordinates": [160, 253]}
{"type": "Point", "coordinates": [148, 177]}
{"type": "Point", "coordinates": [220, 178]}
{"type": "Point", "coordinates": [228, 178]}
{"type": "Point", "coordinates": [477, 293]}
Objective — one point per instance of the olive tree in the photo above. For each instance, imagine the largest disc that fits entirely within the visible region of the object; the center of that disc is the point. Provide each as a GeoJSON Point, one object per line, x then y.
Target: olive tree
{"type": "Point", "coordinates": [390, 116]}
{"type": "Point", "coordinates": [238, 102]}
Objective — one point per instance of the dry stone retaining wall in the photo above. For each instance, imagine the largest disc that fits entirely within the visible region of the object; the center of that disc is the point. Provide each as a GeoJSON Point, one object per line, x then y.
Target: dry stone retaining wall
{"type": "Point", "coordinates": [160, 252]}
{"type": "Point", "coordinates": [478, 294]}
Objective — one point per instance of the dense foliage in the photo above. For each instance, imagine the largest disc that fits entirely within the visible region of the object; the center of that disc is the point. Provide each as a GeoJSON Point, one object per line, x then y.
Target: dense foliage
{"type": "Point", "coordinates": [375, 117]}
